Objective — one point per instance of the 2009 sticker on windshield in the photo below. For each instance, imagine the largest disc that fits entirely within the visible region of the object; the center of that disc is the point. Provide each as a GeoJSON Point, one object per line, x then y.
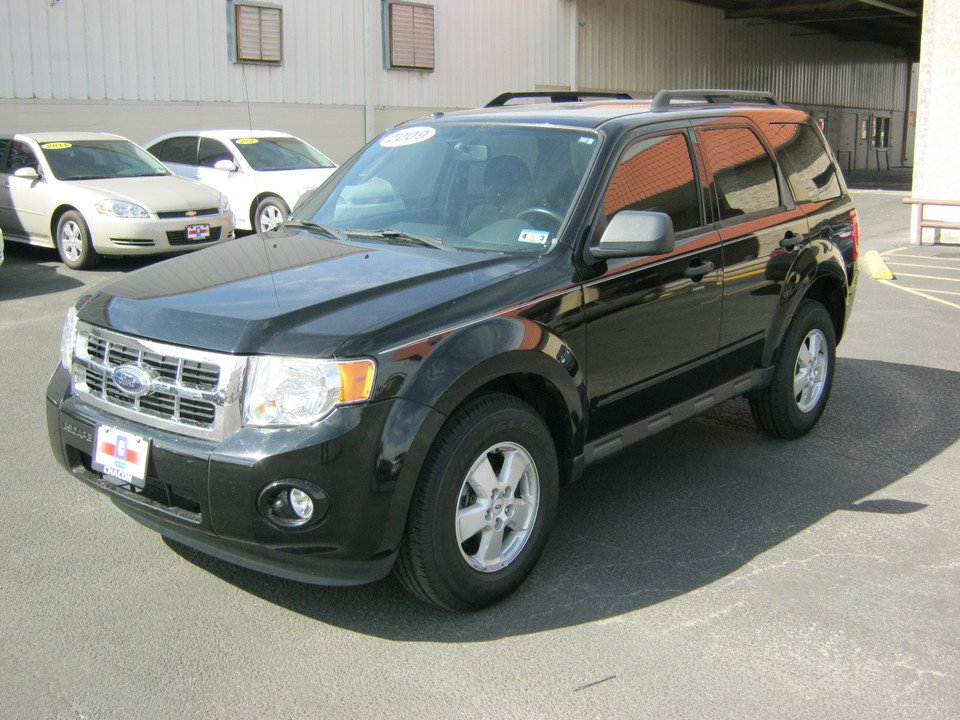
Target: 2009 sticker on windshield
{"type": "Point", "coordinates": [407, 136]}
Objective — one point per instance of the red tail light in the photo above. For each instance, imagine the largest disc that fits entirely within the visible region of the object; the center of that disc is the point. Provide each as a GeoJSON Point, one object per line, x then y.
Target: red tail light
{"type": "Point", "coordinates": [855, 233]}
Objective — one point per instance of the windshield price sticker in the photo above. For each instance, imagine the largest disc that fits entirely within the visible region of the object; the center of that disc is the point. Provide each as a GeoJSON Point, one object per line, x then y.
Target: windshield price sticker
{"type": "Point", "coordinates": [408, 136]}
{"type": "Point", "coordinates": [537, 237]}
{"type": "Point", "coordinates": [246, 141]}
{"type": "Point", "coordinates": [56, 146]}
{"type": "Point", "coordinates": [121, 455]}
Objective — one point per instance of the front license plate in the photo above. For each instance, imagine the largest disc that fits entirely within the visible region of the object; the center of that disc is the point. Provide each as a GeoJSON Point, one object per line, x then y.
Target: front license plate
{"type": "Point", "coordinates": [121, 455]}
{"type": "Point", "coordinates": [198, 232]}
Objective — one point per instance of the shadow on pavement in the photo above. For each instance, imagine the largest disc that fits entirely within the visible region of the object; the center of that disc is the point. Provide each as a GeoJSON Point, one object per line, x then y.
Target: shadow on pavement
{"type": "Point", "coordinates": [676, 513]}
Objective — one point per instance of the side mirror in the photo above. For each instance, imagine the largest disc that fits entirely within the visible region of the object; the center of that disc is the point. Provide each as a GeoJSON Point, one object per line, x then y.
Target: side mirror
{"type": "Point", "coordinates": [225, 164]}
{"type": "Point", "coordinates": [631, 233]}
{"type": "Point", "coordinates": [27, 172]}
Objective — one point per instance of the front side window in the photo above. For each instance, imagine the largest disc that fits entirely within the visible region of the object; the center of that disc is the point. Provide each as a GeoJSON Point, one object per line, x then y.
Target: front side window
{"type": "Point", "coordinates": [656, 174]}
{"type": "Point", "coordinates": [211, 152]}
{"type": "Point", "coordinates": [743, 173]}
{"type": "Point", "coordinates": [90, 159]}
{"type": "Point", "coordinates": [485, 187]}
{"type": "Point", "coordinates": [281, 153]}
{"type": "Point", "coordinates": [20, 156]}
{"type": "Point", "coordinates": [804, 158]}
{"type": "Point", "coordinates": [180, 150]}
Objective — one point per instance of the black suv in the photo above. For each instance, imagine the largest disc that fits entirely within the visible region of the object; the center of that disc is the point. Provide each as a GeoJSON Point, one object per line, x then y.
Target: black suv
{"type": "Point", "coordinates": [470, 312]}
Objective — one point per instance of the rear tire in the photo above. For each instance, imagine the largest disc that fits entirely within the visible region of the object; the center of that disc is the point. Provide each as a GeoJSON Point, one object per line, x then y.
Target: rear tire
{"type": "Point", "coordinates": [483, 507]}
{"type": "Point", "coordinates": [802, 377]}
{"type": "Point", "coordinates": [74, 243]}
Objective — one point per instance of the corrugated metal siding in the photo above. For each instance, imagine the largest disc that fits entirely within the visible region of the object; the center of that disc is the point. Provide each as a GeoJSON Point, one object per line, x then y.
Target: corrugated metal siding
{"type": "Point", "coordinates": [644, 45]}
{"type": "Point", "coordinates": [176, 50]}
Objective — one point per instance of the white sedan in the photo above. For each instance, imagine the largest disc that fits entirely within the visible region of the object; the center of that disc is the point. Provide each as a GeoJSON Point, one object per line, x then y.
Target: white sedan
{"type": "Point", "coordinates": [93, 194]}
{"type": "Point", "coordinates": [263, 172]}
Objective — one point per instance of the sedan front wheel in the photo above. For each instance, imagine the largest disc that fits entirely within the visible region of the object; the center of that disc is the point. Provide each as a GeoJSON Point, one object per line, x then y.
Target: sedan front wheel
{"type": "Point", "coordinates": [74, 243]}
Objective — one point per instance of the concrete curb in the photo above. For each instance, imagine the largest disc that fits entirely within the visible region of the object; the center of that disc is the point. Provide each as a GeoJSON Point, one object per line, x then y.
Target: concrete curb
{"type": "Point", "coordinates": [876, 267]}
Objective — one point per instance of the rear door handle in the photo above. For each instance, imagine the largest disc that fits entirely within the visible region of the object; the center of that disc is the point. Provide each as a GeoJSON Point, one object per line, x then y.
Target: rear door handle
{"type": "Point", "coordinates": [791, 240]}
{"type": "Point", "coordinates": [699, 270]}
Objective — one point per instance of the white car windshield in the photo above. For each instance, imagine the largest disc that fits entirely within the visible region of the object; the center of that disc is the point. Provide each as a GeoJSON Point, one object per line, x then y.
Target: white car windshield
{"type": "Point", "coordinates": [97, 159]}
{"type": "Point", "coordinates": [281, 153]}
{"type": "Point", "coordinates": [470, 186]}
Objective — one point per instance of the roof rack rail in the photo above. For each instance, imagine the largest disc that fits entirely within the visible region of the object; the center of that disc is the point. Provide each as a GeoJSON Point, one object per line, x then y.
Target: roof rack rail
{"type": "Point", "coordinates": [664, 98]}
{"type": "Point", "coordinates": [556, 96]}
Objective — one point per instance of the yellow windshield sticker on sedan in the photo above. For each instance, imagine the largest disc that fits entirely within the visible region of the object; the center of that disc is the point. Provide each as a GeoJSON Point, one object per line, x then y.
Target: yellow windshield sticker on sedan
{"type": "Point", "coordinates": [56, 146]}
{"type": "Point", "coordinates": [246, 141]}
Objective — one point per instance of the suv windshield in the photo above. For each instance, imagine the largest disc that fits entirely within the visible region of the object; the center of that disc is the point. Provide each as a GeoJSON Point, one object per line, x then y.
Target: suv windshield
{"type": "Point", "coordinates": [503, 188]}
{"type": "Point", "coordinates": [281, 153]}
{"type": "Point", "coordinates": [92, 159]}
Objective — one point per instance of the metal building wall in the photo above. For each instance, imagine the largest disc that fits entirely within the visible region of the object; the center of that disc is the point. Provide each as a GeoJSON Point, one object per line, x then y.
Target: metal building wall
{"type": "Point", "coordinates": [645, 45]}
{"type": "Point", "coordinates": [141, 67]}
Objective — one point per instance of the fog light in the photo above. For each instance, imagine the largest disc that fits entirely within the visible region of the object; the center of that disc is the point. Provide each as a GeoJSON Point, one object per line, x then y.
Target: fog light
{"type": "Point", "coordinates": [293, 504]}
{"type": "Point", "coordinates": [301, 504]}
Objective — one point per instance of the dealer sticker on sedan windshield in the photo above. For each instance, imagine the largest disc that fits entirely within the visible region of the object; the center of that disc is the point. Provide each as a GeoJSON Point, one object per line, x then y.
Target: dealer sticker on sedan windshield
{"type": "Point", "coordinates": [56, 146]}
{"type": "Point", "coordinates": [407, 136]}
{"type": "Point", "coordinates": [121, 455]}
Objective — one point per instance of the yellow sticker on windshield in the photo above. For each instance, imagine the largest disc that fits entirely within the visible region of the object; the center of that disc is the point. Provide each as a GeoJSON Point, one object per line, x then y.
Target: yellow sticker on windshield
{"type": "Point", "coordinates": [246, 141]}
{"type": "Point", "coordinates": [56, 146]}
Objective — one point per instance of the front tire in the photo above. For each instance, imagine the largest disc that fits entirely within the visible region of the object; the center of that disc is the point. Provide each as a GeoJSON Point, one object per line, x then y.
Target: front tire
{"type": "Point", "coordinates": [802, 377]}
{"type": "Point", "coordinates": [74, 243]}
{"type": "Point", "coordinates": [483, 507]}
{"type": "Point", "coordinates": [270, 212]}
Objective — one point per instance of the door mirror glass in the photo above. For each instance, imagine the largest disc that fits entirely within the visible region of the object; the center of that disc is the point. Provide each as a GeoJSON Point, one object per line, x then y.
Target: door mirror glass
{"type": "Point", "coordinates": [633, 233]}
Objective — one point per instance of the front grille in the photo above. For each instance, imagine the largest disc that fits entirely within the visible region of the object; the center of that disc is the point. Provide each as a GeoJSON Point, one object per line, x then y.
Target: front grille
{"type": "Point", "coordinates": [187, 213]}
{"type": "Point", "coordinates": [179, 237]}
{"type": "Point", "coordinates": [190, 391]}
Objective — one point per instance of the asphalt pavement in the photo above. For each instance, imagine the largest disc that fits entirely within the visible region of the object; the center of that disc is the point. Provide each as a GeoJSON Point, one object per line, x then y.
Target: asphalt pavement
{"type": "Point", "coordinates": [710, 572]}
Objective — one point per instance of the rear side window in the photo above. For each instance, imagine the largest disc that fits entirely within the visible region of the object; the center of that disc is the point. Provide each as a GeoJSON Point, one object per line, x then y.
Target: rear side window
{"type": "Point", "coordinates": [809, 169]}
{"type": "Point", "coordinates": [656, 174]}
{"type": "Point", "coordinates": [181, 150]}
{"type": "Point", "coordinates": [743, 172]}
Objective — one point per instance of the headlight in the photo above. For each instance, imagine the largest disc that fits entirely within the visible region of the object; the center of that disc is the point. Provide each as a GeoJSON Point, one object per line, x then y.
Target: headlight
{"type": "Point", "coordinates": [283, 391]}
{"type": "Point", "coordinates": [121, 209]}
{"type": "Point", "coordinates": [224, 203]}
{"type": "Point", "coordinates": [68, 338]}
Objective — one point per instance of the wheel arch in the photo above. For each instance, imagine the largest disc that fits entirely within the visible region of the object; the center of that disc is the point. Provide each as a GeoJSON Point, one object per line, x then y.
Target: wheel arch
{"type": "Point", "coordinates": [55, 216]}
{"type": "Point", "coordinates": [819, 275]}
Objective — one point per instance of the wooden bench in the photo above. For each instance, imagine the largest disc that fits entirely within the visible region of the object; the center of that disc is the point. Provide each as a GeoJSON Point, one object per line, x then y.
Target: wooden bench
{"type": "Point", "coordinates": [920, 221]}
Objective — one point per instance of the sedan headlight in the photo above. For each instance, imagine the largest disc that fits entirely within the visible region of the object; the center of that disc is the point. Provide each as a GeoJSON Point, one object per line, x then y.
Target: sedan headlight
{"type": "Point", "coordinates": [121, 209]}
{"type": "Point", "coordinates": [224, 203]}
{"type": "Point", "coordinates": [284, 391]}
{"type": "Point", "coordinates": [68, 338]}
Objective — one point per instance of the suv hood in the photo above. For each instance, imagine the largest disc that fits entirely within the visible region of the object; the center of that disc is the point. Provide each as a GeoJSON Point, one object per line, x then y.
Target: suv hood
{"type": "Point", "coordinates": [290, 293]}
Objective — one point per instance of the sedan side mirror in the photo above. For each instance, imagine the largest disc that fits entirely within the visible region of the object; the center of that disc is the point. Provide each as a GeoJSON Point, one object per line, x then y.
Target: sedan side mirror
{"type": "Point", "coordinates": [632, 233]}
{"type": "Point", "coordinates": [27, 172]}
{"type": "Point", "coordinates": [225, 164]}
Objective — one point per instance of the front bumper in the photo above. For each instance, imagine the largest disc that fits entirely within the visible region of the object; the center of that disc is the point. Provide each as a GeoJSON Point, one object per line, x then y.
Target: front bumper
{"type": "Point", "coordinates": [131, 236]}
{"type": "Point", "coordinates": [204, 494]}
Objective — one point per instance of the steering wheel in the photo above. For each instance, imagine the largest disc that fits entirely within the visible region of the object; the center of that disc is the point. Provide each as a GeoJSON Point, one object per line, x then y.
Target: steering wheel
{"type": "Point", "coordinates": [534, 211]}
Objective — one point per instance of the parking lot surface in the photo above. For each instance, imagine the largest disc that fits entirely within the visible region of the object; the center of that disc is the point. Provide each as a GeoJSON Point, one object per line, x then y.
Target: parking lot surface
{"type": "Point", "coordinates": [711, 572]}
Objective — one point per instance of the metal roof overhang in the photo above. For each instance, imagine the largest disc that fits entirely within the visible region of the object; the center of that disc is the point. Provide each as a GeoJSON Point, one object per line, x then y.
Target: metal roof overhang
{"type": "Point", "coordinates": [890, 22]}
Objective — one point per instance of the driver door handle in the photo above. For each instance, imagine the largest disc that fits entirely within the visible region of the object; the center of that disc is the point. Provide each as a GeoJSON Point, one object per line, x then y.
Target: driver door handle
{"type": "Point", "coordinates": [699, 270]}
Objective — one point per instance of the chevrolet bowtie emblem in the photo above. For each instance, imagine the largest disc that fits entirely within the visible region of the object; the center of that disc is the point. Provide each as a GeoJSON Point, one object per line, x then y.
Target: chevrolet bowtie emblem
{"type": "Point", "coordinates": [191, 213]}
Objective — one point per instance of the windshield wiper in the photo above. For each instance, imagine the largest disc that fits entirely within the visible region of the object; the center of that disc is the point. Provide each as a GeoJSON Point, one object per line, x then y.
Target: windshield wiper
{"type": "Point", "coordinates": [397, 237]}
{"type": "Point", "coordinates": [313, 227]}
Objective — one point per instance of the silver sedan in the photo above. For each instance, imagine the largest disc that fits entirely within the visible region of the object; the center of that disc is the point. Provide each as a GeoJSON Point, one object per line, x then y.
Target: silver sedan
{"type": "Point", "coordinates": [94, 194]}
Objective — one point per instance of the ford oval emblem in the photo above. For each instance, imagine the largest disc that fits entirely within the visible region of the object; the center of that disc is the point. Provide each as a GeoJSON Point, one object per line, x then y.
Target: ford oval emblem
{"type": "Point", "coordinates": [132, 380]}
